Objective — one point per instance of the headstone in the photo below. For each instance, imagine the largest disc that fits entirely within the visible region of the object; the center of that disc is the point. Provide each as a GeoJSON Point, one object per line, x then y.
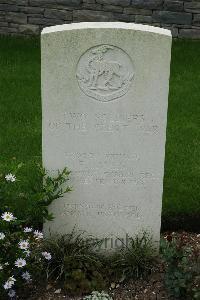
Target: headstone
{"type": "Point", "coordinates": [104, 105]}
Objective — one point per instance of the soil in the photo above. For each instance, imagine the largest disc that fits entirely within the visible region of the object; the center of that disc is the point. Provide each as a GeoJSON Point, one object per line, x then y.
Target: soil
{"type": "Point", "coordinates": [150, 289]}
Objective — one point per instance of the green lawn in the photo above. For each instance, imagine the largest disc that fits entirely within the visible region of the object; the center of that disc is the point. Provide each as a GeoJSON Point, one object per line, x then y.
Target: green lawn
{"type": "Point", "coordinates": [20, 117]}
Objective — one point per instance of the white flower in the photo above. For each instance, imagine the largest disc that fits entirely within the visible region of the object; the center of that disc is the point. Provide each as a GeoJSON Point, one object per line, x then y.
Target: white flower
{"type": "Point", "coordinates": [46, 255]}
{"type": "Point", "coordinates": [28, 229]}
{"type": "Point", "coordinates": [28, 252]}
{"type": "Point", "coordinates": [26, 275]}
{"type": "Point", "coordinates": [6, 264]}
{"type": "Point", "coordinates": [12, 280]}
{"type": "Point", "coordinates": [7, 216]}
{"type": "Point", "coordinates": [23, 245]}
{"type": "Point", "coordinates": [20, 263]}
{"type": "Point", "coordinates": [11, 293]}
{"type": "Point", "coordinates": [2, 235]}
{"type": "Point", "coordinates": [1, 267]}
{"type": "Point", "coordinates": [38, 234]}
{"type": "Point", "coordinates": [7, 285]}
{"type": "Point", "coordinates": [10, 177]}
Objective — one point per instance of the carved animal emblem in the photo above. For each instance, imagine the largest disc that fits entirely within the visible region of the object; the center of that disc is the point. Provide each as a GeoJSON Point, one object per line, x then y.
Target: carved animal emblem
{"type": "Point", "coordinates": [98, 66]}
{"type": "Point", "coordinates": [102, 76]}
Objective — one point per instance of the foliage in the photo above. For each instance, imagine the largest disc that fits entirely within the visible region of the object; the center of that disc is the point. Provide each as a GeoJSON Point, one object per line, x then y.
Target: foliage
{"type": "Point", "coordinates": [22, 257]}
{"type": "Point", "coordinates": [183, 267]}
{"type": "Point", "coordinates": [98, 296]}
{"type": "Point", "coordinates": [30, 199]}
{"type": "Point", "coordinates": [136, 259]}
{"type": "Point", "coordinates": [75, 263]}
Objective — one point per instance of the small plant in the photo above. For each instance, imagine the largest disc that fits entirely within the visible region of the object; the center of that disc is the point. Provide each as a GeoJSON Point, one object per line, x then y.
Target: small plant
{"type": "Point", "coordinates": [136, 259]}
{"type": "Point", "coordinates": [182, 267]}
{"type": "Point", "coordinates": [29, 196]}
{"type": "Point", "coordinates": [21, 255]}
{"type": "Point", "coordinates": [75, 263]}
{"type": "Point", "coordinates": [98, 296]}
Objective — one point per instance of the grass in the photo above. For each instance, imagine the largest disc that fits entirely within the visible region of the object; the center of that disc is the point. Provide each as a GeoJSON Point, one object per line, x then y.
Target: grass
{"type": "Point", "coordinates": [20, 107]}
{"type": "Point", "coordinates": [182, 165]}
{"type": "Point", "coordinates": [20, 117]}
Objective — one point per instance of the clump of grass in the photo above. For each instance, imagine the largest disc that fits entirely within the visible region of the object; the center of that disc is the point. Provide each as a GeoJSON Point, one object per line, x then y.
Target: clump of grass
{"type": "Point", "coordinates": [80, 269]}
{"type": "Point", "coordinates": [75, 264]}
{"type": "Point", "coordinates": [137, 259]}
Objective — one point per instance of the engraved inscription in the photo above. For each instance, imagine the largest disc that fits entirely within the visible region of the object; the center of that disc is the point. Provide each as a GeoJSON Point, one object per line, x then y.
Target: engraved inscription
{"type": "Point", "coordinates": [100, 122]}
{"type": "Point", "coordinates": [102, 209]}
{"type": "Point", "coordinates": [108, 169]}
{"type": "Point", "coordinates": [105, 73]}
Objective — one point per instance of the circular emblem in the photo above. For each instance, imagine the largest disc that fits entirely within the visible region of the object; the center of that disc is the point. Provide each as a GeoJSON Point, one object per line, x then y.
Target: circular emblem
{"type": "Point", "coordinates": [105, 73]}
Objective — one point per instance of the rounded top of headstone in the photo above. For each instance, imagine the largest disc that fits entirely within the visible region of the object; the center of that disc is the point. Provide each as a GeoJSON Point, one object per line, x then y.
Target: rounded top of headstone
{"type": "Point", "coordinates": [107, 25]}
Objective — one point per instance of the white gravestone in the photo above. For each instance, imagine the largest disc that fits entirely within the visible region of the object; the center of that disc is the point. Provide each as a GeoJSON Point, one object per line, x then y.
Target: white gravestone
{"type": "Point", "coordinates": [104, 105]}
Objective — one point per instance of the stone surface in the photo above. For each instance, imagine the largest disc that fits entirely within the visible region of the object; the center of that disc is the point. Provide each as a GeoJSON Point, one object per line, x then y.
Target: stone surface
{"type": "Point", "coordinates": [179, 14]}
{"type": "Point", "coordinates": [29, 29]}
{"type": "Point", "coordinates": [150, 4]}
{"type": "Point", "coordinates": [8, 7]}
{"type": "Point", "coordinates": [115, 2]}
{"type": "Point", "coordinates": [19, 18]}
{"type": "Point", "coordinates": [113, 8]}
{"type": "Point", "coordinates": [173, 5]}
{"type": "Point", "coordinates": [31, 10]}
{"type": "Point", "coordinates": [44, 21]}
{"type": "Point", "coordinates": [58, 14]}
{"type": "Point", "coordinates": [192, 6]}
{"type": "Point", "coordinates": [143, 19]}
{"type": "Point", "coordinates": [170, 17]}
{"type": "Point", "coordinates": [17, 2]}
{"type": "Point", "coordinates": [196, 20]}
{"type": "Point", "coordinates": [104, 103]}
{"type": "Point", "coordinates": [92, 16]}
{"type": "Point", "coordinates": [189, 33]}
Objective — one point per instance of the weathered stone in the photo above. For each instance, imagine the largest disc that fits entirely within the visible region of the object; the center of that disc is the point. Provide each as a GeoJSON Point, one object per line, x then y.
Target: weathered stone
{"type": "Point", "coordinates": [189, 33]}
{"type": "Point", "coordinates": [16, 2]}
{"type": "Point", "coordinates": [122, 3]}
{"type": "Point", "coordinates": [44, 21]}
{"type": "Point", "coordinates": [29, 29]}
{"type": "Point", "coordinates": [104, 101]}
{"type": "Point", "coordinates": [149, 4]}
{"type": "Point", "coordinates": [89, 1]}
{"type": "Point", "coordinates": [113, 8]}
{"type": "Point", "coordinates": [143, 19]}
{"type": "Point", "coordinates": [42, 3]}
{"type": "Point", "coordinates": [137, 11]}
{"type": "Point", "coordinates": [19, 18]}
{"type": "Point", "coordinates": [91, 16]}
{"type": "Point", "coordinates": [8, 7]}
{"type": "Point", "coordinates": [182, 14]}
{"type": "Point", "coordinates": [3, 24]}
{"type": "Point", "coordinates": [196, 20]}
{"type": "Point", "coordinates": [69, 2]}
{"type": "Point", "coordinates": [192, 7]}
{"type": "Point", "coordinates": [53, 3]}
{"type": "Point", "coordinates": [14, 25]}
{"type": "Point", "coordinates": [35, 15]}
{"type": "Point", "coordinates": [91, 6]}
{"type": "Point", "coordinates": [173, 5]}
{"type": "Point", "coordinates": [8, 30]}
{"type": "Point", "coordinates": [31, 10]}
{"type": "Point", "coordinates": [170, 17]}
{"type": "Point", "coordinates": [58, 14]}
{"type": "Point", "coordinates": [123, 17]}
